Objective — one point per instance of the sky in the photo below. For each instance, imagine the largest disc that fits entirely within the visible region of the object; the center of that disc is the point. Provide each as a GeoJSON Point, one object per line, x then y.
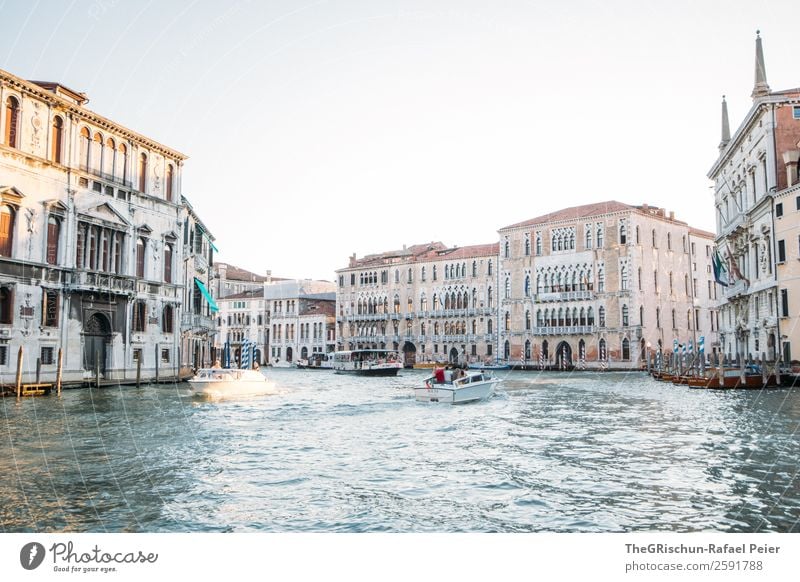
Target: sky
{"type": "Point", "coordinates": [319, 129]}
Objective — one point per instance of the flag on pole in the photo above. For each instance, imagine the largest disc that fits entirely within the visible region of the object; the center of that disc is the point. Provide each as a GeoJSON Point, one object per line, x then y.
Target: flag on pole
{"type": "Point", "coordinates": [721, 274]}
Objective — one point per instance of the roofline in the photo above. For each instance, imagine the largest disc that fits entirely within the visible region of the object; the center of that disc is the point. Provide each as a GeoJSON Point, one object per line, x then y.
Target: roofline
{"type": "Point", "coordinates": [87, 114]}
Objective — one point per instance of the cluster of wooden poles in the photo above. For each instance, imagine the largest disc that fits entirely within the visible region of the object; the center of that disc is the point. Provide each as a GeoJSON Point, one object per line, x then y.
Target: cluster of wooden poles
{"type": "Point", "coordinates": [723, 373]}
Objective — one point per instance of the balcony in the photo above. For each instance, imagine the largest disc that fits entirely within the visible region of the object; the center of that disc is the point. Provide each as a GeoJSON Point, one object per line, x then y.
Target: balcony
{"type": "Point", "coordinates": [565, 296]}
{"type": "Point", "coordinates": [196, 322]}
{"type": "Point", "coordinates": [735, 289]}
{"type": "Point", "coordinates": [102, 282]}
{"type": "Point", "coordinates": [564, 330]}
{"type": "Point", "coordinates": [200, 263]}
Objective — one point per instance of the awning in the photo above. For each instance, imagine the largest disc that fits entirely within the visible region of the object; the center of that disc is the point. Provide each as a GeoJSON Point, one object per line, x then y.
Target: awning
{"type": "Point", "coordinates": [211, 303]}
{"type": "Point", "coordinates": [208, 238]}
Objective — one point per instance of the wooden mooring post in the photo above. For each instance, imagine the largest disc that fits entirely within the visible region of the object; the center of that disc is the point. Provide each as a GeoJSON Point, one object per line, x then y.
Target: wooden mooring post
{"type": "Point", "coordinates": [59, 369]}
{"type": "Point", "coordinates": [138, 372]}
{"type": "Point", "coordinates": [38, 370]}
{"type": "Point", "coordinates": [97, 368]}
{"type": "Point", "coordinates": [19, 372]}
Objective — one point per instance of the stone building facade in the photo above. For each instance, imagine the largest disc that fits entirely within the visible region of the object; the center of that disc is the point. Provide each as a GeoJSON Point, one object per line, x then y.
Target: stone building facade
{"type": "Point", "coordinates": [754, 182]}
{"type": "Point", "coordinates": [430, 301]}
{"type": "Point", "coordinates": [287, 319]}
{"type": "Point", "coordinates": [600, 285]}
{"type": "Point", "coordinates": [91, 253]}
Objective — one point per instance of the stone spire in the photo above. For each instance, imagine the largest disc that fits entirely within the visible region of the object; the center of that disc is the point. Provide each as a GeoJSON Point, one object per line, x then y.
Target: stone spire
{"type": "Point", "coordinates": [760, 89]}
{"type": "Point", "coordinates": [726, 128]}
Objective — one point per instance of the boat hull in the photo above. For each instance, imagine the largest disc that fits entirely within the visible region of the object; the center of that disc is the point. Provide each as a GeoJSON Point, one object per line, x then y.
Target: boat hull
{"type": "Point", "coordinates": [219, 383]}
{"type": "Point", "coordinates": [369, 371]}
{"type": "Point", "coordinates": [456, 395]}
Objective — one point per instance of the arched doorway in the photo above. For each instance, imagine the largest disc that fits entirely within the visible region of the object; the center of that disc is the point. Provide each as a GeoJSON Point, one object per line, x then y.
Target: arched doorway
{"type": "Point", "coordinates": [409, 354]}
{"type": "Point", "coordinates": [289, 354]}
{"type": "Point", "coordinates": [545, 351]}
{"type": "Point", "coordinates": [304, 353]}
{"type": "Point", "coordinates": [563, 356]}
{"type": "Point", "coordinates": [96, 336]}
{"type": "Point", "coordinates": [257, 356]}
{"type": "Point", "coordinates": [453, 355]}
{"type": "Point", "coordinates": [506, 350]}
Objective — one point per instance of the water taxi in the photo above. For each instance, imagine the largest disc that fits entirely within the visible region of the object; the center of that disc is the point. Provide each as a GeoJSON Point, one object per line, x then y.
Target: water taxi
{"type": "Point", "coordinates": [316, 362]}
{"type": "Point", "coordinates": [470, 387]}
{"type": "Point", "coordinates": [367, 362]}
{"type": "Point", "coordinates": [223, 382]}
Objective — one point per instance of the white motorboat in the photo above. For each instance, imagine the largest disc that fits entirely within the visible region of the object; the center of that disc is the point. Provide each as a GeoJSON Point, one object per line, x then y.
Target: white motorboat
{"type": "Point", "coordinates": [222, 382]}
{"type": "Point", "coordinates": [468, 388]}
{"type": "Point", "coordinates": [367, 362]}
{"type": "Point", "coordinates": [316, 362]}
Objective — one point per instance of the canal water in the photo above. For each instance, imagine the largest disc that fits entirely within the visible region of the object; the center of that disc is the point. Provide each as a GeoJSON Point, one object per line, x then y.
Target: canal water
{"type": "Point", "coordinates": [581, 452]}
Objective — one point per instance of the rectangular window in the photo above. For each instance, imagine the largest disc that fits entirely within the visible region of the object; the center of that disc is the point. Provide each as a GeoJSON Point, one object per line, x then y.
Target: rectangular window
{"type": "Point", "coordinates": [3, 354]}
{"type": "Point", "coordinates": [796, 112]}
{"type": "Point", "coordinates": [781, 251]}
{"type": "Point", "coordinates": [138, 323]}
{"type": "Point", "coordinates": [46, 356]}
{"type": "Point", "coordinates": [488, 349]}
{"type": "Point", "coordinates": [137, 354]}
{"type": "Point", "coordinates": [779, 209]}
{"type": "Point", "coordinates": [797, 203]}
{"type": "Point", "coordinates": [165, 356]}
{"type": "Point", "coordinates": [784, 303]}
{"type": "Point", "coordinates": [50, 309]}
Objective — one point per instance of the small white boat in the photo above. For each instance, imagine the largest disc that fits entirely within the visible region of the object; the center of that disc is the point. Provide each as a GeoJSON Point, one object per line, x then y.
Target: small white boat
{"type": "Point", "coordinates": [221, 382]}
{"type": "Point", "coordinates": [469, 388]}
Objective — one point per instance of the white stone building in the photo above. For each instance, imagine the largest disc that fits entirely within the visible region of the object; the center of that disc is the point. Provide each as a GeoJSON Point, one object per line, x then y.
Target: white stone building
{"type": "Point", "coordinates": [599, 285]}
{"type": "Point", "coordinates": [430, 301]}
{"type": "Point", "coordinates": [91, 260]}
{"type": "Point", "coordinates": [755, 163]}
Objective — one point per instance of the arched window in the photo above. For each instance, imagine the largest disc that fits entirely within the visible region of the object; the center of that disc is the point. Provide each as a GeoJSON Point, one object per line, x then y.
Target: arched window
{"type": "Point", "coordinates": [168, 263]}
{"type": "Point", "coordinates": [167, 318]}
{"type": "Point", "coordinates": [12, 122]}
{"type": "Point", "coordinates": [53, 232]}
{"type": "Point", "coordinates": [434, 273]}
{"type": "Point", "coordinates": [97, 153]}
{"type": "Point", "coordinates": [474, 268]}
{"type": "Point", "coordinates": [489, 298]}
{"type": "Point", "coordinates": [599, 236]}
{"type": "Point", "coordinates": [423, 274]}
{"type": "Point", "coordinates": [641, 316]}
{"type": "Point", "coordinates": [582, 320]}
{"type": "Point", "coordinates": [654, 238]}
{"type": "Point", "coordinates": [122, 171]}
{"type": "Point", "coordinates": [623, 233]}
{"type": "Point", "coordinates": [673, 320]}
{"type": "Point", "coordinates": [623, 276]}
{"type": "Point", "coordinates": [423, 303]}
{"type": "Point", "coordinates": [508, 288]}
{"type": "Point", "coordinates": [507, 251]}
{"type": "Point", "coordinates": [527, 289]}
{"type": "Point", "coordinates": [637, 234]}
{"type": "Point", "coordinates": [601, 316]}
{"type": "Point", "coordinates": [527, 320]}
{"type": "Point", "coordinates": [625, 316]}
{"type": "Point", "coordinates": [626, 349]}
{"type": "Point", "coordinates": [658, 317]}
{"type": "Point", "coordinates": [108, 157]}
{"type": "Point", "coordinates": [538, 243]}
{"type": "Point", "coordinates": [85, 148]}
{"type": "Point", "coordinates": [539, 320]}
{"type": "Point", "coordinates": [410, 305]}
{"type": "Point", "coordinates": [140, 248]}
{"type": "Point", "coordinates": [6, 305]}
{"type": "Point", "coordinates": [508, 321]}
{"type": "Point", "coordinates": [7, 220]}
{"type": "Point", "coordinates": [397, 304]}
{"type": "Point", "coordinates": [170, 182]}
{"type": "Point", "coordinates": [142, 172]}
{"type": "Point", "coordinates": [489, 326]}
{"type": "Point", "coordinates": [410, 275]}
{"type": "Point", "coordinates": [669, 241]}
{"type": "Point", "coordinates": [57, 140]}
{"type": "Point", "coordinates": [590, 316]}
{"type": "Point", "coordinates": [527, 245]}
{"type": "Point", "coordinates": [489, 268]}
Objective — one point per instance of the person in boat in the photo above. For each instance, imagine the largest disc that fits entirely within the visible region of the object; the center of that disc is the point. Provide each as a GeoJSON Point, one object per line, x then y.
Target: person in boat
{"type": "Point", "coordinates": [216, 364]}
{"type": "Point", "coordinates": [458, 373]}
{"type": "Point", "coordinates": [256, 366]}
{"type": "Point", "coordinates": [438, 373]}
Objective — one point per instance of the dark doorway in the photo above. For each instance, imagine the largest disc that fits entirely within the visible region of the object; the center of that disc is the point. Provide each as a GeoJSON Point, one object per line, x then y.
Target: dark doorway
{"type": "Point", "coordinates": [409, 354]}
{"type": "Point", "coordinates": [563, 356]}
{"type": "Point", "coordinates": [96, 336]}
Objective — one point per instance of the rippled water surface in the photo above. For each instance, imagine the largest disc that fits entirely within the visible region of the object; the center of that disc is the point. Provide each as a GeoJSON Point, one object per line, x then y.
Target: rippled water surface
{"type": "Point", "coordinates": [550, 452]}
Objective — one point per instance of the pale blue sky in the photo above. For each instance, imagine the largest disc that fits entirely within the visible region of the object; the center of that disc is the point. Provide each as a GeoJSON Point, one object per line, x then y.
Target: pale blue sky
{"type": "Point", "coordinates": [318, 129]}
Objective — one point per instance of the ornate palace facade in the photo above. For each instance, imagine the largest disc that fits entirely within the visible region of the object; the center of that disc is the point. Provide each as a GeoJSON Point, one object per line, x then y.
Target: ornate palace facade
{"type": "Point", "coordinates": [93, 241]}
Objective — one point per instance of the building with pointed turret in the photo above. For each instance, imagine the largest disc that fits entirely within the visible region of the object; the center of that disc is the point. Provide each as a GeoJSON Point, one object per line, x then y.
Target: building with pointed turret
{"type": "Point", "coordinates": [755, 190]}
